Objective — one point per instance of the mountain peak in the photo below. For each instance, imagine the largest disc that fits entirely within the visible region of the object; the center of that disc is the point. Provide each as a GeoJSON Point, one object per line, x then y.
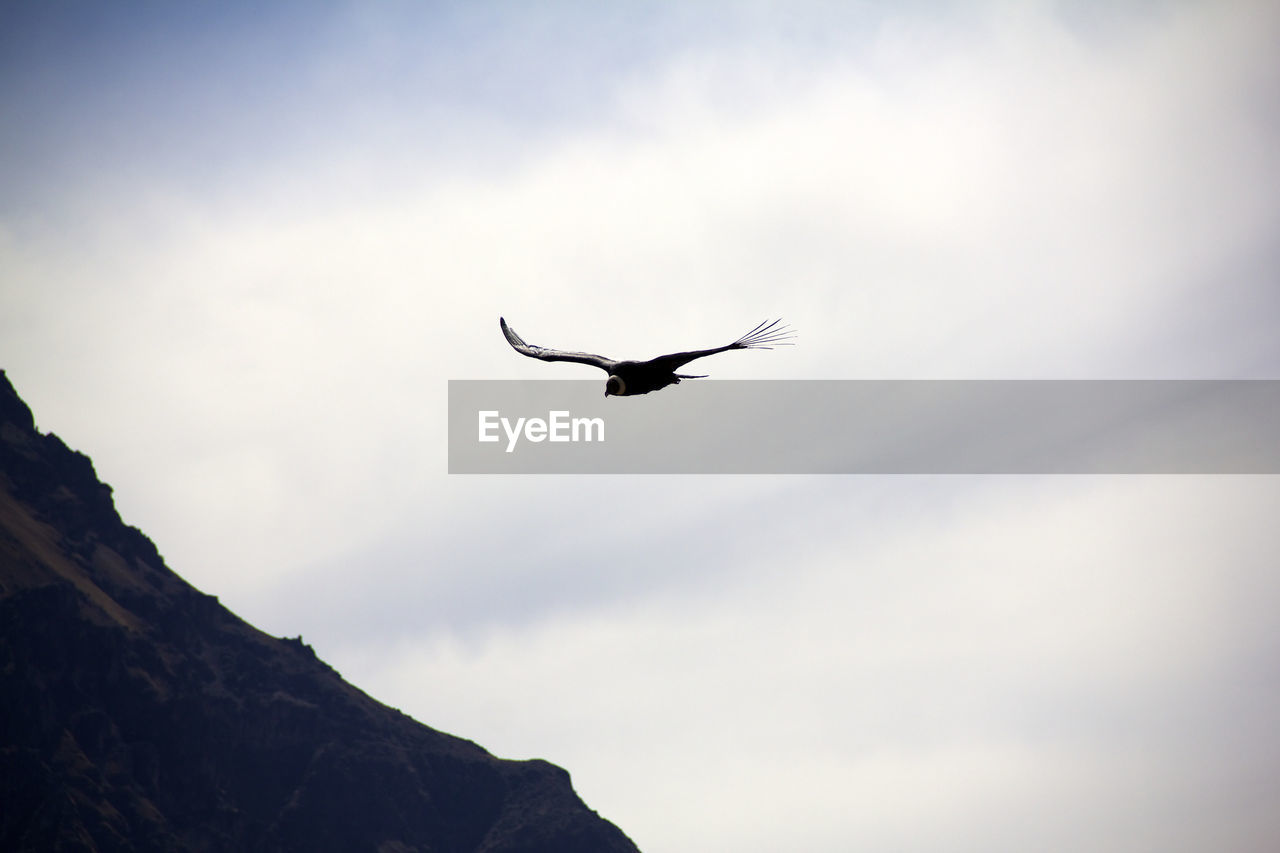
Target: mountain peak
{"type": "Point", "coordinates": [140, 714]}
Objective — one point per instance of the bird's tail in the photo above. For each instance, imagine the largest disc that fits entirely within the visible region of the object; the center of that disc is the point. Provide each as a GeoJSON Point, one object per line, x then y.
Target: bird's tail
{"type": "Point", "coordinates": [767, 335]}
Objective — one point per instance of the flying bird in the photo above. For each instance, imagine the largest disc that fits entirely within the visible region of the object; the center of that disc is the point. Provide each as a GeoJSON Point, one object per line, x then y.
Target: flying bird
{"type": "Point", "coordinates": [628, 378]}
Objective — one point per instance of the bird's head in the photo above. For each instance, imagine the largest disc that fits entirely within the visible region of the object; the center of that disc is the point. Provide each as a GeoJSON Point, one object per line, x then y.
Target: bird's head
{"type": "Point", "coordinates": [615, 387]}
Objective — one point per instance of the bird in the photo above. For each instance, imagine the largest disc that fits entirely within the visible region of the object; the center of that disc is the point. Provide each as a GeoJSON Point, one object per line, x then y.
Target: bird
{"type": "Point", "coordinates": [629, 378]}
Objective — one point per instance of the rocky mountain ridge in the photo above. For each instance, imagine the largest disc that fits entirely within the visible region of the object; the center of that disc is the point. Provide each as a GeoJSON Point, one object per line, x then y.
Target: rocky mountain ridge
{"type": "Point", "coordinates": [139, 714]}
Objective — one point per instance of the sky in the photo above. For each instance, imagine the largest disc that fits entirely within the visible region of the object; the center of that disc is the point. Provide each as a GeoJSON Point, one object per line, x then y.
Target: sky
{"type": "Point", "coordinates": [243, 248]}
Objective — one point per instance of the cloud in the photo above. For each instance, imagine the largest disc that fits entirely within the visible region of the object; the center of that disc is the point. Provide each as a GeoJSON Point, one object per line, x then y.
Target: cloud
{"type": "Point", "coordinates": [998, 646]}
{"type": "Point", "coordinates": [250, 332]}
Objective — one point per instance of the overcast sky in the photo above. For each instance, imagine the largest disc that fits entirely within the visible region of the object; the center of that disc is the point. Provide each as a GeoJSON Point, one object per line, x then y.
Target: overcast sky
{"type": "Point", "coordinates": [243, 247]}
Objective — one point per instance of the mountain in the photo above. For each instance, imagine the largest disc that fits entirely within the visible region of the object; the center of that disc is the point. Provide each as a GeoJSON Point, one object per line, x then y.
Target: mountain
{"type": "Point", "coordinates": [139, 714]}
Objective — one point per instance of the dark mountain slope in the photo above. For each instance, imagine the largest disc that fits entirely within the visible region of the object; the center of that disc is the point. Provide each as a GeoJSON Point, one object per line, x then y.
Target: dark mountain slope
{"type": "Point", "coordinates": [138, 714]}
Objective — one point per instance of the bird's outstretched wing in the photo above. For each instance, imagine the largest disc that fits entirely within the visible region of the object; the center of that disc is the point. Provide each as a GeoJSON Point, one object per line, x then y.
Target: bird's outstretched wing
{"type": "Point", "coordinates": [518, 344]}
{"type": "Point", "coordinates": [767, 335]}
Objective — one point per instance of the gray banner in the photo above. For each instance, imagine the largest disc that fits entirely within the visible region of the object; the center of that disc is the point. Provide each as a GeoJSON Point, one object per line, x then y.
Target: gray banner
{"type": "Point", "coordinates": [867, 427]}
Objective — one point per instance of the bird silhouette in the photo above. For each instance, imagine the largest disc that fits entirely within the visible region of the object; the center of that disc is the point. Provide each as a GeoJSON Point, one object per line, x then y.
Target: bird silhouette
{"type": "Point", "coordinates": [628, 378]}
